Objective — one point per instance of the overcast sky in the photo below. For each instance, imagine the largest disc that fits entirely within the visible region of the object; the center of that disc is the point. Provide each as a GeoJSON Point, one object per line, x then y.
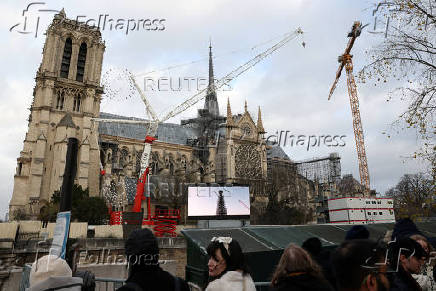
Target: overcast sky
{"type": "Point", "coordinates": [291, 86]}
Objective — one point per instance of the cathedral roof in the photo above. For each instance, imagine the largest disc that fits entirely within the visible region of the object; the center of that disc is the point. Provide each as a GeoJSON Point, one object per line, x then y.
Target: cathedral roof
{"type": "Point", "coordinates": [166, 132]}
{"type": "Point", "coordinates": [276, 151]}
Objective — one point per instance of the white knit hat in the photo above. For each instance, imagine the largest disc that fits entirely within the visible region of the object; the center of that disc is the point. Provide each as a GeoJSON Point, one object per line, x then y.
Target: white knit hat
{"type": "Point", "coordinates": [48, 266]}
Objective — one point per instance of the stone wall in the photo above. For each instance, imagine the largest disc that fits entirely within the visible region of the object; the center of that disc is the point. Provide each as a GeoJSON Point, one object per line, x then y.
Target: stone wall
{"type": "Point", "coordinates": [103, 256]}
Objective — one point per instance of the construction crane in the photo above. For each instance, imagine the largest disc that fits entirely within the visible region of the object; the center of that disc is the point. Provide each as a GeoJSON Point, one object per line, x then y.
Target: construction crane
{"type": "Point", "coordinates": [154, 120]}
{"type": "Point", "coordinates": [245, 205]}
{"type": "Point", "coordinates": [233, 74]}
{"type": "Point", "coordinates": [345, 60]}
{"type": "Point", "coordinates": [152, 130]}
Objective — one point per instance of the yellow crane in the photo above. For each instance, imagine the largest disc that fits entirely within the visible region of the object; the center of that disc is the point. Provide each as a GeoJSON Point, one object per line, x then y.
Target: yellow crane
{"type": "Point", "coordinates": [345, 60]}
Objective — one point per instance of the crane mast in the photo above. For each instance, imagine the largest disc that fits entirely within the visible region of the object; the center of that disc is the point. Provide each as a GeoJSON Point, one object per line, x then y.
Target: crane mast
{"type": "Point", "coordinates": [345, 60]}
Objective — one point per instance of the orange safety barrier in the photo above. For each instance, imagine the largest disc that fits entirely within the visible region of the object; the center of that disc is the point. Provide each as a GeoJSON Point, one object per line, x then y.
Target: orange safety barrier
{"type": "Point", "coordinates": [165, 222]}
{"type": "Point", "coordinates": [116, 217]}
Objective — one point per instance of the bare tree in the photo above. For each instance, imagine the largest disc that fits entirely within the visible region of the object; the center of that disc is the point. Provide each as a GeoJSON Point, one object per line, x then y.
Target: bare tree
{"type": "Point", "coordinates": [414, 196]}
{"type": "Point", "coordinates": [408, 54]}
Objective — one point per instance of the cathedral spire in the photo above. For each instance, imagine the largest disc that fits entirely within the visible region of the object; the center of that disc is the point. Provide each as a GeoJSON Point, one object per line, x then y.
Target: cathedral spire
{"type": "Point", "coordinates": [260, 128]}
{"type": "Point", "coordinates": [211, 85]}
{"type": "Point", "coordinates": [229, 120]}
{"type": "Point", "coordinates": [245, 106]}
{"type": "Point", "coordinates": [211, 102]}
{"type": "Point", "coordinates": [62, 13]}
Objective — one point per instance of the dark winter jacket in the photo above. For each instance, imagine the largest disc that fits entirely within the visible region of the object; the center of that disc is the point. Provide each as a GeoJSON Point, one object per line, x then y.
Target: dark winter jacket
{"type": "Point", "coordinates": [403, 281]}
{"type": "Point", "coordinates": [153, 279]}
{"type": "Point", "coordinates": [323, 259]}
{"type": "Point", "coordinates": [302, 282]}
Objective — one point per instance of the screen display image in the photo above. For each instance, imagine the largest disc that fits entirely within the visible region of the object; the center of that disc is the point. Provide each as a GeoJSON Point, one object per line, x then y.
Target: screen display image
{"type": "Point", "coordinates": [219, 202]}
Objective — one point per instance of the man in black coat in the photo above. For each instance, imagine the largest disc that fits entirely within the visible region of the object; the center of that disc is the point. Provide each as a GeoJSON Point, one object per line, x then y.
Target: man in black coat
{"type": "Point", "coordinates": [145, 274]}
{"type": "Point", "coordinates": [407, 257]}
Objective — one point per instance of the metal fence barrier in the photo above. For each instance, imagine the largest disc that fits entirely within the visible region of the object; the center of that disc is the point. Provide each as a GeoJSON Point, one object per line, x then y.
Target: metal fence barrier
{"type": "Point", "coordinates": [262, 286]}
{"type": "Point", "coordinates": [111, 284]}
{"type": "Point", "coordinates": [108, 284]}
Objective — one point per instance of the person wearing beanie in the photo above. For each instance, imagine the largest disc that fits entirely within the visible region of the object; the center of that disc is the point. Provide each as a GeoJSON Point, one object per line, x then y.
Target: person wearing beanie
{"type": "Point", "coordinates": [404, 227]}
{"type": "Point", "coordinates": [53, 273]}
{"type": "Point", "coordinates": [357, 232]}
{"type": "Point", "coordinates": [142, 251]}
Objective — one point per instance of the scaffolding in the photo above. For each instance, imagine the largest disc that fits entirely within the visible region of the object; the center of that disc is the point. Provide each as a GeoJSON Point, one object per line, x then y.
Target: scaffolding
{"type": "Point", "coordinates": [324, 170]}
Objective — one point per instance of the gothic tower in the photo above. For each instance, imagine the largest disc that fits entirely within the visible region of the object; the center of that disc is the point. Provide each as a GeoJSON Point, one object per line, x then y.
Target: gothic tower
{"type": "Point", "coordinates": [66, 96]}
{"type": "Point", "coordinates": [241, 154]}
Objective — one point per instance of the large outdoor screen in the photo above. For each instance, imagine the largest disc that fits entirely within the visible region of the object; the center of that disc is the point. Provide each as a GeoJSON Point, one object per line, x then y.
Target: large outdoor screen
{"type": "Point", "coordinates": [218, 202]}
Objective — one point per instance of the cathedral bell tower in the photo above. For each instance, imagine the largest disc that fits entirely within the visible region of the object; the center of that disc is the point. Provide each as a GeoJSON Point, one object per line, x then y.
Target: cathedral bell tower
{"type": "Point", "coordinates": [66, 96]}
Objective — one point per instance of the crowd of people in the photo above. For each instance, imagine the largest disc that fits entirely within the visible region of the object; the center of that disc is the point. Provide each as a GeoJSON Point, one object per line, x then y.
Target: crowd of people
{"type": "Point", "coordinates": [402, 260]}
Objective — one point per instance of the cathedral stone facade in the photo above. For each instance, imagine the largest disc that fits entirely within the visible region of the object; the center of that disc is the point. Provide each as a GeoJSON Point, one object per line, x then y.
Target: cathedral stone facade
{"type": "Point", "coordinates": [210, 148]}
{"type": "Point", "coordinates": [66, 96]}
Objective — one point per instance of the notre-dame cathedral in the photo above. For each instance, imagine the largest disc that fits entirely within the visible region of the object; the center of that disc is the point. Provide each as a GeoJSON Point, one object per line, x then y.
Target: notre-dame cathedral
{"type": "Point", "coordinates": [210, 148]}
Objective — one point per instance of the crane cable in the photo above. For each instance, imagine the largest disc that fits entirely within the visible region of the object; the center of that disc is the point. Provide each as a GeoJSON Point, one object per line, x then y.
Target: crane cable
{"type": "Point", "coordinates": [252, 48]}
{"type": "Point", "coordinates": [232, 75]}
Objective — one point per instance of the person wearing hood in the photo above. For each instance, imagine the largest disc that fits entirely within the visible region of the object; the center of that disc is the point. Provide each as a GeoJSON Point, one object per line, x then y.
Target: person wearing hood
{"type": "Point", "coordinates": [145, 274]}
{"type": "Point", "coordinates": [227, 268]}
{"type": "Point", "coordinates": [53, 273]}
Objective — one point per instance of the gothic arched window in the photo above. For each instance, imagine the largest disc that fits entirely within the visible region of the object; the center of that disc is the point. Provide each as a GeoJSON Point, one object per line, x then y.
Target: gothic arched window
{"type": "Point", "coordinates": [171, 168]}
{"type": "Point", "coordinates": [138, 162]}
{"type": "Point", "coordinates": [60, 101]}
{"type": "Point", "coordinates": [124, 160]}
{"type": "Point", "coordinates": [77, 103]}
{"type": "Point", "coordinates": [66, 58]}
{"type": "Point", "coordinates": [81, 60]}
